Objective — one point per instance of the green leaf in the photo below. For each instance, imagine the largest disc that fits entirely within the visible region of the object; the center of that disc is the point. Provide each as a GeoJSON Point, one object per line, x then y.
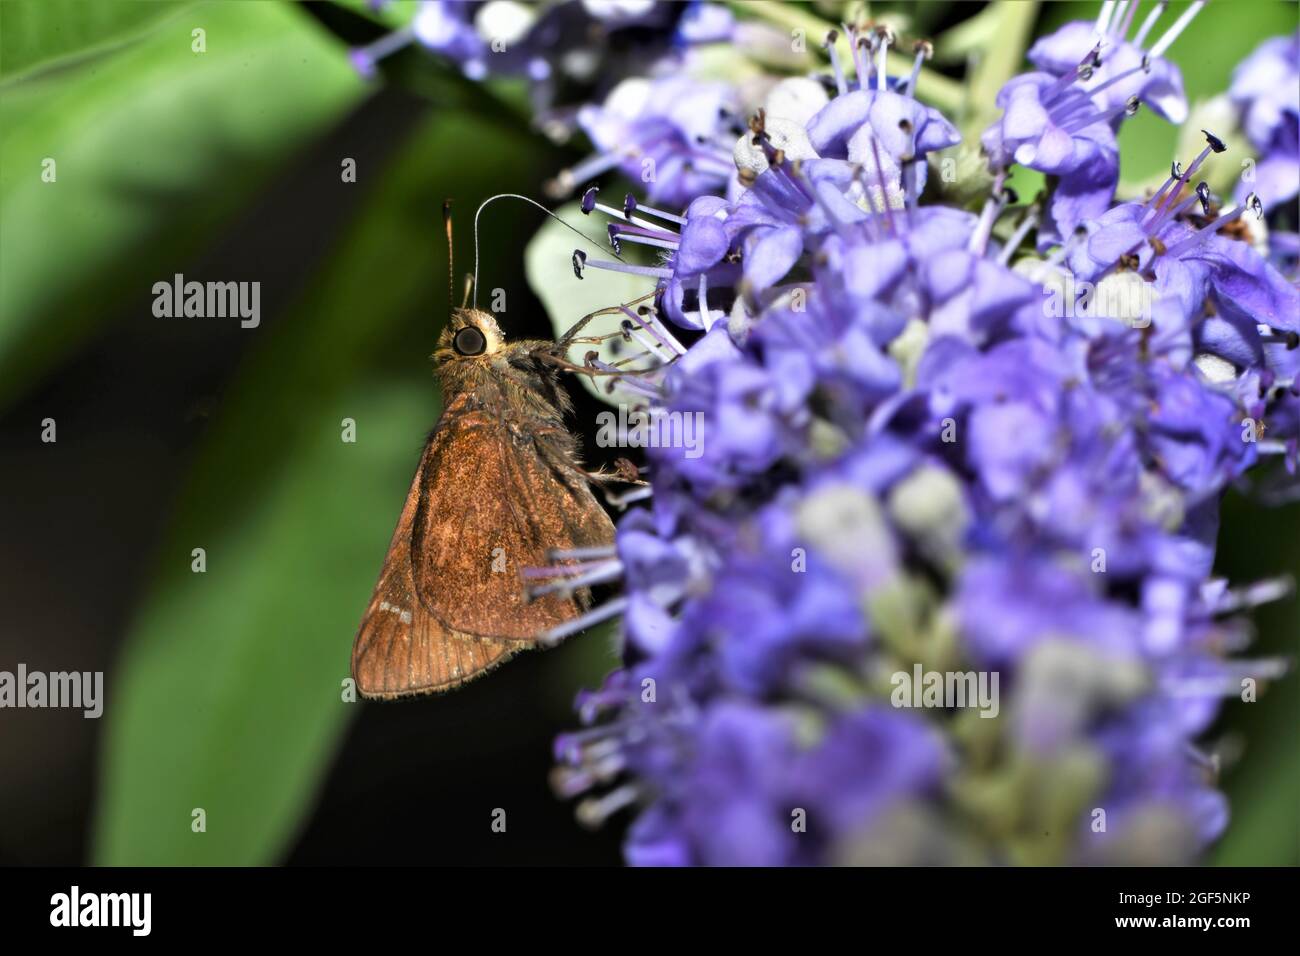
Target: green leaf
{"type": "Point", "coordinates": [568, 298]}
{"type": "Point", "coordinates": [43, 34]}
{"type": "Point", "coordinates": [229, 697]}
{"type": "Point", "coordinates": [229, 692]}
{"type": "Point", "coordinates": [153, 147]}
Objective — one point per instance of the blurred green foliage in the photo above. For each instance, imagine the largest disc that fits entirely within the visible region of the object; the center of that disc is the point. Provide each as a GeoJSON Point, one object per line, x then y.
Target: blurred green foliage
{"type": "Point", "coordinates": [155, 147]}
{"type": "Point", "coordinates": [295, 523]}
{"type": "Point", "coordinates": [229, 690]}
{"type": "Point", "coordinates": [54, 33]}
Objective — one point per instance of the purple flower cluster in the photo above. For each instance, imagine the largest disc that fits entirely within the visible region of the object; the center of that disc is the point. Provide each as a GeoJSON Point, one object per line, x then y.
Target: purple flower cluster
{"type": "Point", "coordinates": [936, 586]}
{"type": "Point", "coordinates": [930, 452]}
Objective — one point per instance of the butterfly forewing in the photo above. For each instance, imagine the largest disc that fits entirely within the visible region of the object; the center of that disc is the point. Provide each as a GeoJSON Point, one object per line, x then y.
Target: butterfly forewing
{"type": "Point", "coordinates": [499, 495]}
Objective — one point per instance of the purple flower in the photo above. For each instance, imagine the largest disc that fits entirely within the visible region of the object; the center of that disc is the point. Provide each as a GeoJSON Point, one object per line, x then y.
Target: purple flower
{"type": "Point", "coordinates": [1266, 90]}
{"type": "Point", "coordinates": [749, 781]}
{"type": "Point", "coordinates": [695, 253]}
{"type": "Point", "coordinates": [1011, 603]}
{"type": "Point", "coordinates": [1122, 69]}
{"type": "Point", "coordinates": [745, 427]}
{"type": "Point", "coordinates": [1062, 121]}
{"type": "Point", "coordinates": [662, 132]}
{"type": "Point", "coordinates": [868, 761]}
{"type": "Point", "coordinates": [1050, 126]}
{"type": "Point", "coordinates": [857, 124]}
{"type": "Point", "coordinates": [447, 29]}
{"type": "Point", "coordinates": [1192, 265]}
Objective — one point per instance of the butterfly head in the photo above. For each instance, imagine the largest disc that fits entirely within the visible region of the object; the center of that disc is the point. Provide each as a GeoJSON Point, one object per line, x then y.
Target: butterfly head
{"type": "Point", "coordinates": [470, 335]}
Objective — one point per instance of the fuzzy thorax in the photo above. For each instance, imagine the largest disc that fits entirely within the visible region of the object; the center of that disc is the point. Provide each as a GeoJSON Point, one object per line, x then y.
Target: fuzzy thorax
{"type": "Point", "coordinates": [519, 379]}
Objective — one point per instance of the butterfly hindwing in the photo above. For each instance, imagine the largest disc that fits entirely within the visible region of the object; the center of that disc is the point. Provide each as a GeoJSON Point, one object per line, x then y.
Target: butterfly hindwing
{"type": "Point", "coordinates": [403, 649]}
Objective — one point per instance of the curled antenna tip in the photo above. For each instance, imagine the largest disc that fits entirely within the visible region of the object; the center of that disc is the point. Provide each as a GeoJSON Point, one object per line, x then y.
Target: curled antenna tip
{"type": "Point", "coordinates": [532, 202]}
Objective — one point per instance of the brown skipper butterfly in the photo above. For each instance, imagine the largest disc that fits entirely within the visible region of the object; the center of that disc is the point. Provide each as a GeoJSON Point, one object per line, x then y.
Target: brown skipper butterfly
{"type": "Point", "coordinates": [499, 488]}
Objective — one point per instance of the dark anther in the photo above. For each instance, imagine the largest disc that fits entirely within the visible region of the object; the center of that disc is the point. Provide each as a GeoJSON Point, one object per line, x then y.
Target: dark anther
{"type": "Point", "coordinates": [579, 260]}
{"type": "Point", "coordinates": [1216, 144]}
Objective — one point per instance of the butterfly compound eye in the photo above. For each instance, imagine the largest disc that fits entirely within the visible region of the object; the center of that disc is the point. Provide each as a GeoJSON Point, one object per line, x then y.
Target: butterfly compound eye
{"type": "Point", "coordinates": [470, 341]}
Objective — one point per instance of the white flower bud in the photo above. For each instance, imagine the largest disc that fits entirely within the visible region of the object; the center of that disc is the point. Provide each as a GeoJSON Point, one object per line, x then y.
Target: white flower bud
{"type": "Point", "coordinates": [797, 99]}
{"type": "Point", "coordinates": [786, 135]}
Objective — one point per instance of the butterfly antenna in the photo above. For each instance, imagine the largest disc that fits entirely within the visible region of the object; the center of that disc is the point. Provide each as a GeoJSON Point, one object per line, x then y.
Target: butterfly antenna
{"type": "Point", "coordinates": [451, 251]}
{"type": "Point", "coordinates": [531, 202]}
